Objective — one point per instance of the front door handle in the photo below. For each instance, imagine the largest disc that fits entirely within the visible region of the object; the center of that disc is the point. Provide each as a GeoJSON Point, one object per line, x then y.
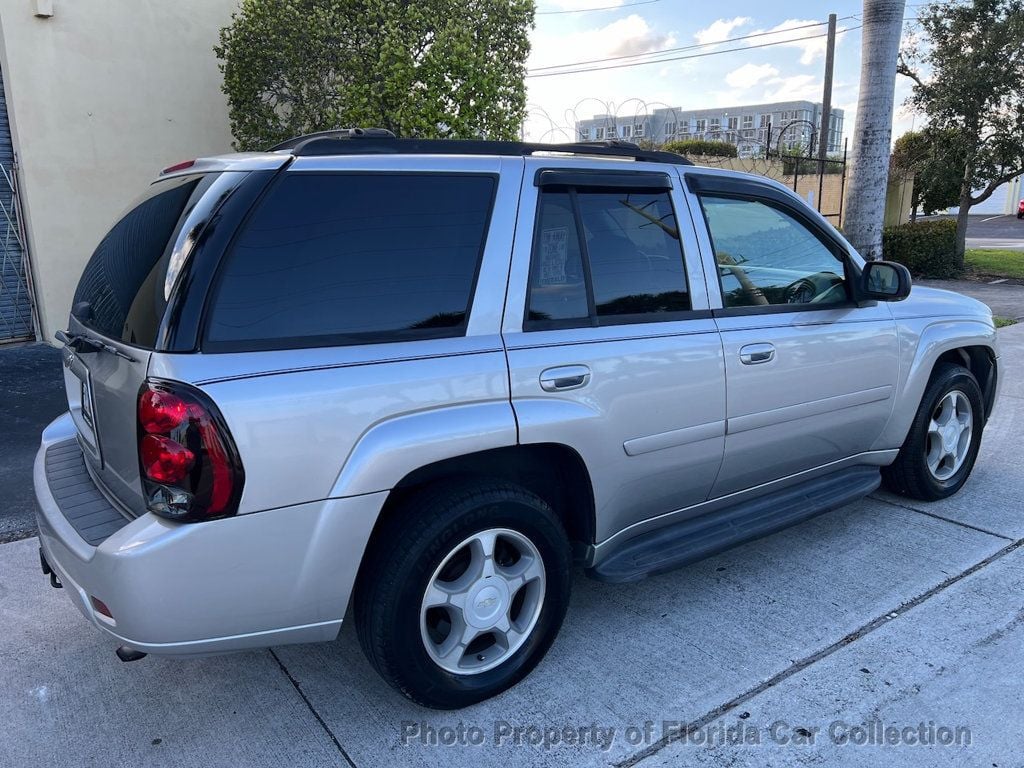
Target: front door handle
{"type": "Point", "coordinates": [753, 354]}
{"type": "Point", "coordinates": [564, 377]}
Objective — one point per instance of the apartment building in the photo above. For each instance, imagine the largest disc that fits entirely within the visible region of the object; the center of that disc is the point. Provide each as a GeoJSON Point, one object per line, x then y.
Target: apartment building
{"type": "Point", "coordinates": [793, 124]}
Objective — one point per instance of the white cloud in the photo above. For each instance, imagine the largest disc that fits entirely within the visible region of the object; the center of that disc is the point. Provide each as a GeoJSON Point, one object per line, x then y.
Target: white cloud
{"type": "Point", "coordinates": [750, 75]}
{"type": "Point", "coordinates": [720, 30]}
{"type": "Point", "coordinates": [623, 37]}
{"type": "Point", "coordinates": [555, 103]}
{"type": "Point", "coordinates": [810, 39]}
{"type": "Point", "coordinates": [794, 88]}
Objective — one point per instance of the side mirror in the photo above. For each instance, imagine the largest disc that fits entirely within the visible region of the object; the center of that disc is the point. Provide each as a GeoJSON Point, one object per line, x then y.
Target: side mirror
{"type": "Point", "coordinates": [884, 281]}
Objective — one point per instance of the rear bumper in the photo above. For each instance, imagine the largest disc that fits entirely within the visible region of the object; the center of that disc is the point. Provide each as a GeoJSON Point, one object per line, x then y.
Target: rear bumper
{"type": "Point", "coordinates": [267, 578]}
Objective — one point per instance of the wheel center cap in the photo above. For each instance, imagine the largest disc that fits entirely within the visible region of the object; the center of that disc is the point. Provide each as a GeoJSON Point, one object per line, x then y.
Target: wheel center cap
{"type": "Point", "coordinates": [949, 437]}
{"type": "Point", "coordinates": [487, 601]}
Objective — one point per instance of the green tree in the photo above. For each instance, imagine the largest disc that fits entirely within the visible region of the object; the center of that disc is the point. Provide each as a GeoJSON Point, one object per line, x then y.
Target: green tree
{"type": "Point", "coordinates": [430, 68]}
{"type": "Point", "coordinates": [932, 156]}
{"type": "Point", "coordinates": [967, 73]}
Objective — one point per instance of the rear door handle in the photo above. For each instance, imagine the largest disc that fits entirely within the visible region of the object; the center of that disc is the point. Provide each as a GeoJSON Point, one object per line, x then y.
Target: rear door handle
{"type": "Point", "coordinates": [754, 354]}
{"type": "Point", "coordinates": [564, 377]}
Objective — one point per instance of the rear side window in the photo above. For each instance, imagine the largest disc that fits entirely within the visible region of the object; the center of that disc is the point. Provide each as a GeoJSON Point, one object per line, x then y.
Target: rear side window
{"type": "Point", "coordinates": [604, 257]}
{"type": "Point", "coordinates": [347, 258]}
{"type": "Point", "coordinates": [121, 292]}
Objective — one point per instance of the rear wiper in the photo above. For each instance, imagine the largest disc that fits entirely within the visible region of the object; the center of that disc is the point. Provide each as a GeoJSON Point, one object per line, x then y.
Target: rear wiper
{"type": "Point", "coordinates": [82, 343]}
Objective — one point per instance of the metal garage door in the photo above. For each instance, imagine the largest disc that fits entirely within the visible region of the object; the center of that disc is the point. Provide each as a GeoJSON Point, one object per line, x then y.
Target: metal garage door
{"type": "Point", "coordinates": [15, 297]}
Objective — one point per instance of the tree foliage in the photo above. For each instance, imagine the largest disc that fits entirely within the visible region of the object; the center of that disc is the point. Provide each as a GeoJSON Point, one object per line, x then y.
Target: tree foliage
{"type": "Point", "coordinates": [930, 154]}
{"type": "Point", "coordinates": [430, 68]}
{"type": "Point", "coordinates": [968, 71]}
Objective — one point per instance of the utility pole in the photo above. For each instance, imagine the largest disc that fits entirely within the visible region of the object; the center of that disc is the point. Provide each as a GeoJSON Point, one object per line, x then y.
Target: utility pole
{"type": "Point", "coordinates": [826, 97]}
{"type": "Point", "coordinates": [826, 105]}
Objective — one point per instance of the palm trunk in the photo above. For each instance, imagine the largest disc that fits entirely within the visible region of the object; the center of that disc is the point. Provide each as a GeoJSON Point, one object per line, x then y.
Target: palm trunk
{"type": "Point", "coordinates": [872, 135]}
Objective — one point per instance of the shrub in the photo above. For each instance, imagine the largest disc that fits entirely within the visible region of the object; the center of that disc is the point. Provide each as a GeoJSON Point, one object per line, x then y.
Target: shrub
{"type": "Point", "coordinates": [702, 147]}
{"type": "Point", "coordinates": [926, 248]}
{"type": "Point", "coordinates": [808, 166]}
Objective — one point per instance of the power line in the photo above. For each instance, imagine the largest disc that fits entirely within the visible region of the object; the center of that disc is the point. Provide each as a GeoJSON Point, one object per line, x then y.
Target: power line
{"type": "Point", "coordinates": [751, 36]}
{"type": "Point", "coordinates": [601, 8]}
{"type": "Point", "coordinates": [537, 73]}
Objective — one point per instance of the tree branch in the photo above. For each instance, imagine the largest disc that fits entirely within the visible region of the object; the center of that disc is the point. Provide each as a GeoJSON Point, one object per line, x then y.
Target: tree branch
{"type": "Point", "coordinates": [994, 184]}
{"type": "Point", "coordinates": [903, 68]}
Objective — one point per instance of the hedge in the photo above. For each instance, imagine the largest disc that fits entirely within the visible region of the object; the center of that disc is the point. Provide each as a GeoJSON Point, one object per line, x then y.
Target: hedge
{"type": "Point", "coordinates": [926, 248]}
{"type": "Point", "coordinates": [702, 147]}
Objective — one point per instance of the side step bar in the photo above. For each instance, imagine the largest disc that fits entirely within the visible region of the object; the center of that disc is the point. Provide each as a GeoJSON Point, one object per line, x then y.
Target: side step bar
{"type": "Point", "coordinates": [688, 541]}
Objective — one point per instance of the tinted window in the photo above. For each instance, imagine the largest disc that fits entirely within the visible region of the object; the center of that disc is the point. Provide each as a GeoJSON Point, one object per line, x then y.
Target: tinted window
{"type": "Point", "coordinates": [558, 289]}
{"type": "Point", "coordinates": [353, 258]}
{"type": "Point", "coordinates": [636, 263]}
{"type": "Point", "coordinates": [624, 243]}
{"type": "Point", "coordinates": [121, 291]}
{"type": "Point", "coordinates": [766, 256]}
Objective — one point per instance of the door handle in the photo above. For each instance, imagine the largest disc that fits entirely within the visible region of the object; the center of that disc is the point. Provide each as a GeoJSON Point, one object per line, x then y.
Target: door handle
{"type": "Point", "coordinates": [753, 354]}
{"type": "Point", "coordinates": [564, 377]}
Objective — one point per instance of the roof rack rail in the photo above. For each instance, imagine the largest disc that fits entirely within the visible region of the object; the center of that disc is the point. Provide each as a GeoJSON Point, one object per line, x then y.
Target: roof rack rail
{"type": "Point", "coordinates": [338, 133]}
{"type": "Point", "coordinates": [378, 141]}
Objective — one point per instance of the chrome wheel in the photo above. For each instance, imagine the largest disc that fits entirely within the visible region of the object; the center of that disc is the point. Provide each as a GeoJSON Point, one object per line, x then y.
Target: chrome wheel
{"type": "Point", "coordinates": [482, 602]}
{"type": "Point", "coordinates": [949, 435]}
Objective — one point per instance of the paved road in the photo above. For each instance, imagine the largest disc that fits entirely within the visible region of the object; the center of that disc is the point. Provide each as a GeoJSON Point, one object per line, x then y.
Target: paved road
{"type": "Point", "coordinates": [31, 395]}
{"type": "Point", "coordinates": [996, 232]}
{"type": "Point", "coordinates": [993, 232]}
{"type": "Point", "coordinates": [885, 611]}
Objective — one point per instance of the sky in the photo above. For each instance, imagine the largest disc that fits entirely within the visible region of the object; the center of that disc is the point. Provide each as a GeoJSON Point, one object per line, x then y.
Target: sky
{"type": "Point", "coordinates": [566, 31]}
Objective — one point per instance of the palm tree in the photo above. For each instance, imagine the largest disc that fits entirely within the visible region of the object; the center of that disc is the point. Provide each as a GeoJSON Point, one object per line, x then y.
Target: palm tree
{"type": "Point", "coordinates": [872, 135]}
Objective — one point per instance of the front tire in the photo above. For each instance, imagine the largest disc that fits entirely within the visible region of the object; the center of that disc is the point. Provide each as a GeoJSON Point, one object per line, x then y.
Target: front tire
{"type": "Point", "coordinates": [462, 592]}
{"type": "Point", "coordinates": [940, 450]}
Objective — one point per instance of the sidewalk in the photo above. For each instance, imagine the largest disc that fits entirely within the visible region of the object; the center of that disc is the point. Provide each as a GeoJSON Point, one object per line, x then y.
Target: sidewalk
{"type": "Point", "coordinates": [884, 612]}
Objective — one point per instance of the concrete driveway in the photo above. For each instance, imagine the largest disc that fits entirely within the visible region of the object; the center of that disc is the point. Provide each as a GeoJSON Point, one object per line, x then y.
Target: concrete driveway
{"type": "Point", "coordinates": [887, 620]}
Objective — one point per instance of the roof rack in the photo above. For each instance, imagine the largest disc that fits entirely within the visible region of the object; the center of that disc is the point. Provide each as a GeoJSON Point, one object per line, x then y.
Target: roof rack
{"type": "Point", "coordinates": [378, 141]}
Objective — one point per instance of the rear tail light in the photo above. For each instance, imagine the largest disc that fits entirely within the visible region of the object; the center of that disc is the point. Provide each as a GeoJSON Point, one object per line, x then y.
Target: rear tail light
{"type": "Point", "coordinates": [189, 464]}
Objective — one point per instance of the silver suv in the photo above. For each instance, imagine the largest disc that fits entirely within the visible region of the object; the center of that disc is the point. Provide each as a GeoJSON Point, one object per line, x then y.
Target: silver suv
{"type": "Point", "coordinates": [426, 377]}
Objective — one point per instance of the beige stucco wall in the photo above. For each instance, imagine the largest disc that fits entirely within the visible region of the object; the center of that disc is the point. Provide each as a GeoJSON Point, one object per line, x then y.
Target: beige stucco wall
{"type": "Point", "coordinates": [101, 96]}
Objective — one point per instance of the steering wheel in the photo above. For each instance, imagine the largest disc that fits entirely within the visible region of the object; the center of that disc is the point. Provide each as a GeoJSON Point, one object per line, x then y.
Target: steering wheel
{"type": "Point", "coordinates": [801, 291]}
{"type": "Point", "coordinates": [819, 288]}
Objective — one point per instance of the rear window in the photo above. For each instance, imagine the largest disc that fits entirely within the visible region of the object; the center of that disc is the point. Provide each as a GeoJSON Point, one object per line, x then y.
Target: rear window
{"type": "Point", "coordinates": [121, 292]}
{"type": "Point", "coordinates": [350, 258]}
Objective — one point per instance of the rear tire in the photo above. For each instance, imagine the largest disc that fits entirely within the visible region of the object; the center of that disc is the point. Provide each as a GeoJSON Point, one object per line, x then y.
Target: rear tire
{"type": "Point", "coordinates": [462, 592]}
{"type": "Point", "coordinates": [942, 445]}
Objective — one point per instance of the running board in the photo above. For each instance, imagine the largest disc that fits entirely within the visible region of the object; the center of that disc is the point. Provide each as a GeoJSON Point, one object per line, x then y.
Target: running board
{"type": "Point", "coordinates": [688, 541]}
